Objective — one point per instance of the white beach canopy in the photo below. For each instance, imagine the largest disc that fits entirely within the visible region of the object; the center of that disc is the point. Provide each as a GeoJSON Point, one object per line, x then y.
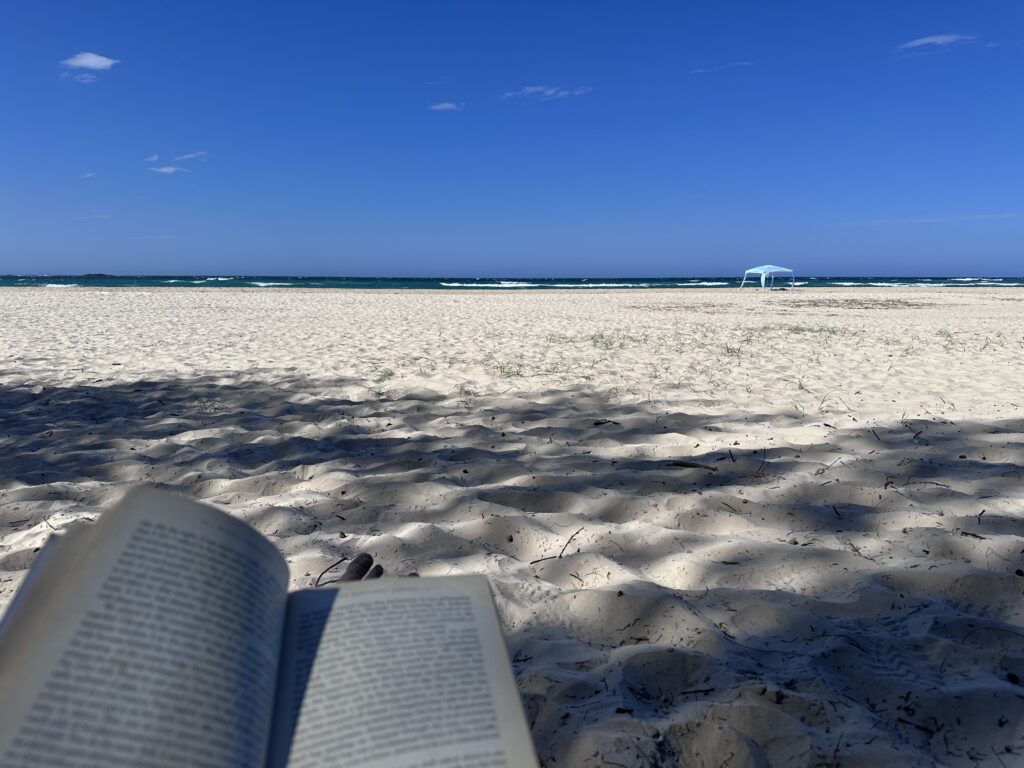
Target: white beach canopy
{"type": "Point", "coordinates": [768, 273]}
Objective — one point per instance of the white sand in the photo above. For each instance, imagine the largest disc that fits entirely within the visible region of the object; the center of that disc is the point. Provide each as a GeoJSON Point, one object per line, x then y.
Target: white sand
{"type": "Point", "coordinates": [836, 585]}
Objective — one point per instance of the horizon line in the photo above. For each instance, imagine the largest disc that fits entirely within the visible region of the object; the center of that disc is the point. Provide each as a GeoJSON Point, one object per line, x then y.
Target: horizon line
{"type": "Point", "coordinates": [246, 276]}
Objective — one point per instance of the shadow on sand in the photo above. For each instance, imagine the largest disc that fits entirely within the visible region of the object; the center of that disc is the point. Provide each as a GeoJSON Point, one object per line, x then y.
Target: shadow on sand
{"type": "Point", "coordinates": [674, 590]}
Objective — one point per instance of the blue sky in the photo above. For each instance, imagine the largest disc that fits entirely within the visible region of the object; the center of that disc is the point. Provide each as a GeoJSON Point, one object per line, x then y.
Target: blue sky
{"type": "Point", "coordinates": [512, 139]}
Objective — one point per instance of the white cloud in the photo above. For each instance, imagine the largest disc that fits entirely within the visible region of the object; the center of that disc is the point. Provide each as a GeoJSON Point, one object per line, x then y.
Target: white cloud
{"type": "Point", "coordinates": [88, 175]}
{"type": "Point", "coordinates": [447, 106]}
{"type": "Point", "coordinates": [937, 219]}
{"type": "Point", "coordinates": [546, 92]}
{"type": "Point", "coordinates": [167, 169]}
{"type": "Point", "coordinates": [85, 77]}
{"type": "Point", "coordinates": [939, 40]}
{"type": "Point", "coordinates": [86, 60]}
{"type": "Point", "coordinates": [969, 217]}
{"type": "Point", "coordinates": [718, 67]}
{"type": "Point", "coordinates": [151, 159]}
{"type": "Point", "coordinates": [191, 155]}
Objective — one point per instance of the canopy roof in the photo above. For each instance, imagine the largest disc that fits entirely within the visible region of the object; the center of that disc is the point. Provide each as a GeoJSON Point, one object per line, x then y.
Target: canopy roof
{"type": "Point", "coordinates": [767, 269]}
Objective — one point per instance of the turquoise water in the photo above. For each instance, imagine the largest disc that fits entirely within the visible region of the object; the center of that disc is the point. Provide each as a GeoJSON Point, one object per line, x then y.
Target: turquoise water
{"type": "Point", "coordinates": [456, 283]}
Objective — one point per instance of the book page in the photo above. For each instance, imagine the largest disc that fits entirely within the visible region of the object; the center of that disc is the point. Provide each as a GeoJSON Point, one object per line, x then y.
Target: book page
{"type": "Point", "coordinates": [159, 647]}
{"type": "Point", "coordinates": [398, 673]}
{"type": "Point", "coordinates": [64, 553]}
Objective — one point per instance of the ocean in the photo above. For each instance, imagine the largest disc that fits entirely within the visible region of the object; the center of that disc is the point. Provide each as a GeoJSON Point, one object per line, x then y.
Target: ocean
{"type": "Point", "coordinates": [469, 284]}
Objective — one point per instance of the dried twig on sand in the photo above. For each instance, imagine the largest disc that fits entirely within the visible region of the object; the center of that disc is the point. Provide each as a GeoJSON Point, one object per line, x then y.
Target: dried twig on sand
{"type": "Point", "coordinates": [559, 555]}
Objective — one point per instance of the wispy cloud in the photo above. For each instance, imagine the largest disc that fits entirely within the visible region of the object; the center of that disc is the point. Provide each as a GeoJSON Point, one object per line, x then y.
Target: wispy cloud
{"type": "Point", "coordinates": [546, 92]}
{"type": "Point", "coordinates": [152, 237]}
{"type": "Point", "coordinates": [151, 159]}
{"type": "Point", "coordinates": [92, 62]}
{"type": "Point", "coordinates": [936, 219]}
{"type": "Point", "coordinates": [447, 106]}
{"type": "Point", "coordinates": [91, 216]}
{"type": "Point", "coordinates": [719, 67]}
{"type": "Point", "coordinates": [192, 155]}
{"type": "Point", "coordinates": [938, 40]}
{"type": "Point", "coordinates": [167, 169]}
{"type": "Point", "coordinates": [86, 60]}
{"type": "Point", "coordinates": [88, 175]}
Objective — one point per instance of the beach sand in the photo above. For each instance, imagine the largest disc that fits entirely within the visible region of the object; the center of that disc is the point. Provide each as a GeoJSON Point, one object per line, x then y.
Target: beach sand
{"type": "Point", "coordinates": [722, 529]}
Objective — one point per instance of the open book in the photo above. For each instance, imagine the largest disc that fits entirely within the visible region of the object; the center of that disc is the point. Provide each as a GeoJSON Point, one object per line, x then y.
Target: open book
{"type": "Point", "coordinates": [164, 635]}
